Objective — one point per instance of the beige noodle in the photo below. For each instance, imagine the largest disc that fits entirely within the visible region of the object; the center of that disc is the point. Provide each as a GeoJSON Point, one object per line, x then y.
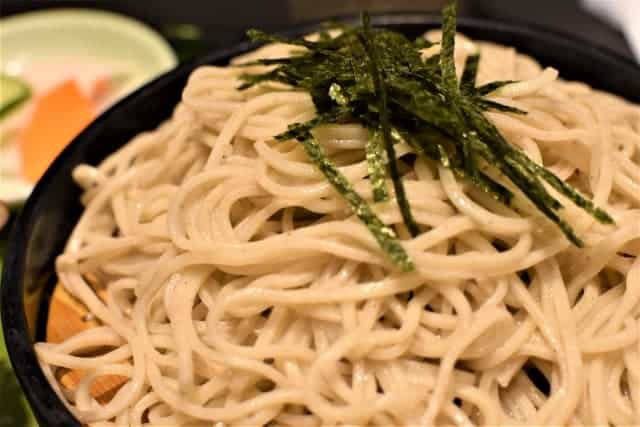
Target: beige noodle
{"type": "Point", "coordinates": [241, 291]}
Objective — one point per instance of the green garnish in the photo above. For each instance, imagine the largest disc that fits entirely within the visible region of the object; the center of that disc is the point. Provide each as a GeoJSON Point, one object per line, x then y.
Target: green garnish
{"type": "Point", "coordinates": [380, 85]}
{"type": "Point", "coordinates": [383, 234]}
{"type": "Point", "coordinates": [375, 166]}
{"type": "Point", "coordinates": [378, 78]}
{"type": "Point", "coordinates": [470, 73]}
{"type": "Point", "coordinates": [13, 92]}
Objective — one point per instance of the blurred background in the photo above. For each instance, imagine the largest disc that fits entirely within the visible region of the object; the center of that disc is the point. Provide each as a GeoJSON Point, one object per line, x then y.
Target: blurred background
{"type": "Point", "coordinates": [222, 22]}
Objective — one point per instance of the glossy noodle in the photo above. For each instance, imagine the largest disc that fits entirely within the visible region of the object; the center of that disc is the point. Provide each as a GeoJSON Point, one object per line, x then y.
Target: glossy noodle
{"type": "Point", "coordinates": [238, 289]}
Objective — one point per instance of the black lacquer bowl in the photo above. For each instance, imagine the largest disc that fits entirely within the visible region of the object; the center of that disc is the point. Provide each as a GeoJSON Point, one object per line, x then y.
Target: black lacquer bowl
{"type": "Point", "coordinates": [51, 212]}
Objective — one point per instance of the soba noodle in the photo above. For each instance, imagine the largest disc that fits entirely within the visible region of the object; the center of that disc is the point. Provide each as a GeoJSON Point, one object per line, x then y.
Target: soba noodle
{"type": "Point", "coordinates": [241, 290]}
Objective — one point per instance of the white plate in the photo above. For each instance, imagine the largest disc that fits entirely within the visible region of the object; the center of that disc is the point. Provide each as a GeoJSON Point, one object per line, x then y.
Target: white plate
{"type": "Point", "coordinates": [82, 34]}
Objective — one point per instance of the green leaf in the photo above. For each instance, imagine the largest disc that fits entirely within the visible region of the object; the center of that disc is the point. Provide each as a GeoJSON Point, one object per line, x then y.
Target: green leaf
{"type": "Point", "coordinates": [13, 93]}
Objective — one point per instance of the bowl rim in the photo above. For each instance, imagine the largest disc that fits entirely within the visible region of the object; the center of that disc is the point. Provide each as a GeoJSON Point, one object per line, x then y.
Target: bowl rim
{"type": "Point", "coordinates": [18, 341]}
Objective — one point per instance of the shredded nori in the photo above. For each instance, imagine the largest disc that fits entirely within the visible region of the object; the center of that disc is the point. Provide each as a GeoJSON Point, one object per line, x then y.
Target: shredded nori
{"type": "Point", "coordinates": [376, 167]}
{"type": "Point", "coordinates": [379, 82]}
{"type": "Point", "coordinates": [384, 235]}
{"type": "Point", "coordinates": [378, 78]}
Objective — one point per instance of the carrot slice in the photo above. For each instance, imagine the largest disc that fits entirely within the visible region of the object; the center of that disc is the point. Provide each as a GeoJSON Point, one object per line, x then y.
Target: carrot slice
{"type": "Point", "coordinates": [58, 116]}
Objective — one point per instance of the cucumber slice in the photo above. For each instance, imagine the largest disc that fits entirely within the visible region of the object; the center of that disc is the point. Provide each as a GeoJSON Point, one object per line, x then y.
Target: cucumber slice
{"type": "Point", "coordinates": [13, 92]}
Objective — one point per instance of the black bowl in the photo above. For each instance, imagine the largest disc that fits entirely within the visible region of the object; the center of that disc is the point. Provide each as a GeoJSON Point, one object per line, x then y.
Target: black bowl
{"type": "Point", "coordinates": [52, 210]}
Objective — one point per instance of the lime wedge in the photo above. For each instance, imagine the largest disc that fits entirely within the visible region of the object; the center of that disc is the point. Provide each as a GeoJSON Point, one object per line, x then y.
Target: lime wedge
{"type": "Point", "coordinates": [13, 92]}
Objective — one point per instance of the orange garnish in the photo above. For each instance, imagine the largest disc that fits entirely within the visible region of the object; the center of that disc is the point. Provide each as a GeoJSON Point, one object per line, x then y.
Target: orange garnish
{"type": "Point", "coordinates": [59, 115]}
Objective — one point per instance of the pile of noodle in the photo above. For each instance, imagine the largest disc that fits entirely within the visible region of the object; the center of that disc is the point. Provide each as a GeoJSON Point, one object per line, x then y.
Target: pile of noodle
{"type": "Point", "coordinates": [238, 289]}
